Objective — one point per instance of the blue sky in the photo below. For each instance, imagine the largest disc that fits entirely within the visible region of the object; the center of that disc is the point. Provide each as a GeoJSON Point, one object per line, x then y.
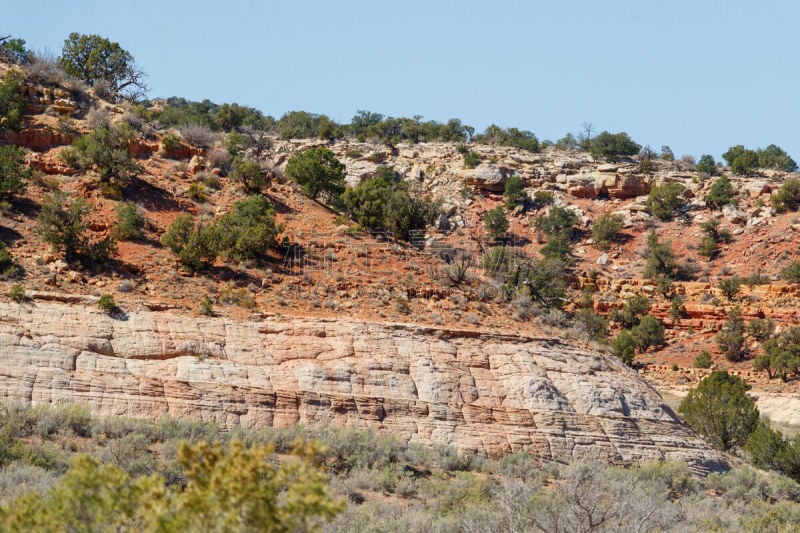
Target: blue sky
{"type": "Point", "coordinates": [698, 75]}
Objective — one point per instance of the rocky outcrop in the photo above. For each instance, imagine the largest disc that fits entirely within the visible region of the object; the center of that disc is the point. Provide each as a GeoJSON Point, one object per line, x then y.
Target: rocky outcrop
{"type": "Point", "coordinates": [480, 392]}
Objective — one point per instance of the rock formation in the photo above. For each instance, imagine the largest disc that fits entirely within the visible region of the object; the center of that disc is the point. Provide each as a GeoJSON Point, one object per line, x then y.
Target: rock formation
{"type": "Point", "coordinates": [476, 391]}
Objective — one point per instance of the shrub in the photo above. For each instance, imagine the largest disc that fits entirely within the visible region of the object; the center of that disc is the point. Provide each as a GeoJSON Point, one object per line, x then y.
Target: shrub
{"type": "Point", "coordinates": [61, 224]}
{"type": "Point", "coordinates": [741, 160]}
{"type": "Point", "coordinates": [7, 267]}
{"type": "Point", "coordinates": [471, 159]}
{"type": "Point", "coordinates": [720, 194]}
{"type": "Point", "coordinates": [12, 101]}
{"type": "Point", "coordinates": [514, 192]}
{"type": "Point", "coordinates": [107, 304]}
{"type": "Point", "coordinates": [197, 191]}
{"type": "Point", "coordinates": [613, 145]}
{"type": "Point", "coordinates": [648, 333]}
{"type": "Point", "coordinates": [317, 171]}
{"type": "Point", "coordinates": [787, 198]}
{"type": "Point", "coordinates": [542, 199]}
{"type": "Point", "coordinates": [664, 200]}
{"type": "Point", "coordinates": [130, 223]}
{"type": "Point", "coordinates": [632, 311]}
{"type": "Point", "coordinates": [522, 139]}
{"type": "Point", "coordinates": [367, 202]}
{"type": "Point", "coordinates": [761, 330]}
{"type": "Point", "coordinates": [606, 229]}
{"type": "Point", "coordinates": [231, 295]}
{"type": "Point", "coordinates": [706, 165]}
{"type": "Point", "coordinates": [781, 354]}
{"type": "Point", "coordinates": [206, 307]}
{"type": "Point", "coordinates": [171, 143]}
{"type": "Point", "coordinates": [495, 222]}
{"type": "Point", "coordinates": [558, 247]}
{"type": "Point", "coordinates": [190, 243]}
{"type": "Point", "coordinates": [559, 222]}
{"type": "Point", "coordinates": [14, 173]}
{"type": "Point", "coordinates": [730, 286]}
{"type": "Point", "coordinates": [250, 174]}
{"type": "Point", "coordinates": [775, 157]}
{"type": "Point", "coordinates": [661, 263]}
{"type": "Point", "coordinates": [246, 232]}
{"type": "Point", "coordinates": [703, 360]}
{"type": "Point", "coordinates": [730, 338]}
{"type": "Point", "coordinates": [720, 410]}
{"type": "Point", "coordinates": [792, 272]}
{"type": "Point", "coordinates": [106, 151]}
{"type": "Point", "coordinates": [624, 347]}
{"type": "Point", "coordinates": [92, 58]}
{"type": "Point", "coordinates": [405, 213]}
{"type": "Point", "coordinates": [17, 293]}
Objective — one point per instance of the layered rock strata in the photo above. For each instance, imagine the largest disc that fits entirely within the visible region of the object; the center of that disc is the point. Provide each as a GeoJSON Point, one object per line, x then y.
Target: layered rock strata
{"type": "Point", "coordinates": [476, 391]}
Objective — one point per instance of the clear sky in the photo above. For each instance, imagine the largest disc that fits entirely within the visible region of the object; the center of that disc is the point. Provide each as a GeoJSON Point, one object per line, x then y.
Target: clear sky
{"type": "Point", "coordinates": [698, 76]}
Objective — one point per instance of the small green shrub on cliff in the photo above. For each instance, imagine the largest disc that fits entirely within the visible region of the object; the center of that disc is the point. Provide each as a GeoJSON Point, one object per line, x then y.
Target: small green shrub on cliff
{"type": "Point", "coordinates": [12, 101]}
{"type": "Point", "coordinates": [107, 304]}
{"type": "Point", "coordinates": [606, 229]}
{"type": "Point", "coordinates": [14, 172]}
{"type": "Point", "coordinates": [703, 360]}
{"type": "Point", "coordinates": [665, 200]}
{"type": "Point", "coordinates": [787, 198]}
{"type": "Point", "coordinates": [130, 223]}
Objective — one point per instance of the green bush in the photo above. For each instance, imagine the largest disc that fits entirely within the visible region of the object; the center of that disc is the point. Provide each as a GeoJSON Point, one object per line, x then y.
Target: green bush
{"type": "Point", "coordinates": [706, 165]}
{"type": "Point", "coordinates": [7, 266]}
{"type": "Point", "coordinates": [495, 222]}
{"type": "Point", "coordinates": [632, 311]}
{"type": "Point", "coordinates": [781, 354]}
{"type": "Point", "coordinates": [559, 222]}
{"type": "Point", "coordinates": [741, 160]}
{"type": "Point", "coordinates": [12, 101]}
{"type": "Point", "coordinates": [613, 145]}
{"type": "Point", "coordinates": [624, 347]}
{"type": "Point", "coordinates": [730, 286]}
{"type": "Point", "coordinates": [303, 125]}
{"type": "Point", "coordinates": [107, 151]}
{"type": "Point", "coordinates": [317, 171]}
{"type": "Point", "coordinates": [760, 329]}
{"type": "Point", "coordinates": [14, 172]}
{"type": "Point", "coordinates": [197, 191]}
{"type": "Point", "coordinates": [171, 143]}
{"type": "Point", "coordinates": [471, 159]}
{"type": "Point", "coordinates": [606, 229]}
{"type": "Point", "coordinates": [648, 333]}
{"type": "Point", "coordinates": [792, 272]}
{"type": "Point", "coordinates": [107, 304]}
{"type": "Point", "coordinates": [787, 198]}
{"type": "Point", "coordinates": [720, 194]}
{"type": "Point", "coordinates": [664, 200]}
{"type": "Point", "coordinates": [130, 223]}
{"type": "Point", "coordinates": [405, 213]}
{"type": "Point", "coordinates": [522, 139]}
{"type": "Point", "coordinates": [774, 157]}
{"type": "Point", "coordinates": [514, 192]}
{"type": "Point", "coordinates": [191, 244]}
{"type": "Point", "coordinates": [661, 263]}
{"type": "Point", "coordinates": [720, 410]}
{"type": "Point", "coordinates": [17, 293]}
{"type": "Point", "coordinates": [62, 225]}
{"type": "Point", "coordinates": [206, 307]}
{"type": "Point", "coordinates": [367, 202]}
{"type": "Point", "coordinates": [246, 232]}
{"type": "Point", "coordinates": [542, 199]}
{"type": "Point", "coordinates": [730, 338]}
{"type": "Point", "coordinates": [250, 174]}
{"type": "Point", "coordinates": [703, 360]}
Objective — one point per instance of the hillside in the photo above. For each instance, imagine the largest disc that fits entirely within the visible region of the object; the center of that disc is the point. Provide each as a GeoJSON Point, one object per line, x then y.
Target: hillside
{"type": "Point", "coordinates": [324, 268]}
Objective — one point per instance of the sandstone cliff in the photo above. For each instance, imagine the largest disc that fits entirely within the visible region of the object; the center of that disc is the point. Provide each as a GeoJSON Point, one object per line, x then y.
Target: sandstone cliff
{"type": "Point", "coordinates": [476, 391]}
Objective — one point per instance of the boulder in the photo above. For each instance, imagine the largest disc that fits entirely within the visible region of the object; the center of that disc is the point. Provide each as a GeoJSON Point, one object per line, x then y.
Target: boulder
{"type": "Point", "coordinates": [487, 177]}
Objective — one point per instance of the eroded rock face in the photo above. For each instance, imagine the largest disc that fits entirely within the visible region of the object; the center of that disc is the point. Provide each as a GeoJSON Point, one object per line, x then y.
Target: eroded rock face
{"type": "Point", "coordinates": [482, 392]}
